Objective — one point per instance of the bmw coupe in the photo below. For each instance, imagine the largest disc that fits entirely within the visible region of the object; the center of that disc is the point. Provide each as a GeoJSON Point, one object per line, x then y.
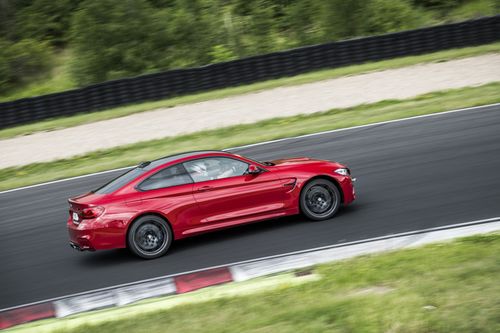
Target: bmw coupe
{"type": "Point", "coordinates": [182, 195]}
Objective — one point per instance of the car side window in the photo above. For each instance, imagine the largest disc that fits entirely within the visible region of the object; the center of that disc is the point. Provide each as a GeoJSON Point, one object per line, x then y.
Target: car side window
{"type": "Point", "coordinates": [171, 176]}
{"type": "Point", "coordinates": [210, 168]}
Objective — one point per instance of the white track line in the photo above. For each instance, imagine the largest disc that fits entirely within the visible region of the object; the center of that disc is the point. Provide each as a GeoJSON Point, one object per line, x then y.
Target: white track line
{"type": "Point", "coordinates": [366, 125]}
{"type": "Point", "coordinates": [367, 240]}
{"type": "Point", "coordinates": [273, 141]}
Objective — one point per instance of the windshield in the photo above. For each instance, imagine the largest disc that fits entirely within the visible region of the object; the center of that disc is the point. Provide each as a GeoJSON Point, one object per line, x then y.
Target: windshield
{"type": "Point", "coordinates": [120, 181]}
{"type": "Point", "coordinates": [258, 162]}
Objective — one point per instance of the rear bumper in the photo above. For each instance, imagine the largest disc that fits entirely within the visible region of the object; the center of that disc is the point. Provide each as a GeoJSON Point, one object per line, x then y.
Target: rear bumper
{"type": "Point", "coordinates": [81, 240]}
{"type": "Point", "coordinates": [80, 248]}
{"type": "Point", "coordinates": [92, 235]}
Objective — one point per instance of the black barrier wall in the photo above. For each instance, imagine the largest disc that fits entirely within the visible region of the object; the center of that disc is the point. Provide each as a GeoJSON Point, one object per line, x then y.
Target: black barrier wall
{"type": "Point", "coordinates": [243, 71]}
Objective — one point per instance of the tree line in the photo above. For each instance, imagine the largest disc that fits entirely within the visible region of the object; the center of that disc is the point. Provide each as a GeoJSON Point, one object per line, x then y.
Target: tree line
{"type": "Point", "coordinates": [110, 39]}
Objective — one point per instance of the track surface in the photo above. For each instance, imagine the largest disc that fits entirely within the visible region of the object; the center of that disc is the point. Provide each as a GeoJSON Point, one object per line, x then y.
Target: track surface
{"type": "Point", "coordinates": [413, 174]}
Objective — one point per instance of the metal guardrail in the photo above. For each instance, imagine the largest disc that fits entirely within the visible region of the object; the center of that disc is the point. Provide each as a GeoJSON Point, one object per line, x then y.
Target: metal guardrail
{"type": "Point", "coordinates": [248, 70]}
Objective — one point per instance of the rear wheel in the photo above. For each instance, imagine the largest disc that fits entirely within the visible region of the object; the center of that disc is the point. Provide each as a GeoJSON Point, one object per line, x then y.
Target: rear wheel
{"type": "Point", "coordinates": [320, 199]}
{"type": "Point", "coordinates": [149, 237]}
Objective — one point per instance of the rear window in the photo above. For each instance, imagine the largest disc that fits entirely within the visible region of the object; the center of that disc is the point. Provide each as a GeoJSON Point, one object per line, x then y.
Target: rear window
{"type": "Point", "coordinates": [120, 181]}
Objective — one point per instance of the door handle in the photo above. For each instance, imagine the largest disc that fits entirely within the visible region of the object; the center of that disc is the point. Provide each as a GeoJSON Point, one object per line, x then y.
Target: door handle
{"type": "Point", "coordinates": [205, 188]}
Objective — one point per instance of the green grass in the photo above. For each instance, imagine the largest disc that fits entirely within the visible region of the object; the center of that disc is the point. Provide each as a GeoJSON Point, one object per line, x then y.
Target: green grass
{"type": "Point", "coordinates": [443, 287]}
{"type": "Point", "coordinates": [250, 133]}
{"type": "Point", "coordinates": [79, 119]}
{"type": "Point", "coordinates": [249, 287]}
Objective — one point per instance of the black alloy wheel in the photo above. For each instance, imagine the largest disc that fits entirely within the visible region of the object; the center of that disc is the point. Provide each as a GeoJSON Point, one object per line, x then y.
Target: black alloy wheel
{"type": "Point", "coordinates": [149, 237]}
{"type": "Point", "coordinates": [320, 199]}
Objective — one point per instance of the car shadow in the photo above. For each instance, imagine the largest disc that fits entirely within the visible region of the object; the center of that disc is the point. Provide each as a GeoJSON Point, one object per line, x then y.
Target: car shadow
{"type": "Point", "coordinates": [251, 229]}
{"type": "Point", "coordinates": [123, 256]}
{"type": "Point", "coordinates": [106, 258]}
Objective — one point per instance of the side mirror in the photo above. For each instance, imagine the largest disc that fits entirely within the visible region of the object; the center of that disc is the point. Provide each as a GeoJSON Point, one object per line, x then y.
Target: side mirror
{"type": "Point", "coordinates": [253, 169]}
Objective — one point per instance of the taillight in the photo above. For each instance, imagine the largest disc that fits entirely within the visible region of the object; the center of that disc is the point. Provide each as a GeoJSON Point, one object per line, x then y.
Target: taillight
{"type": "Point", "coordinates": [92, 212]}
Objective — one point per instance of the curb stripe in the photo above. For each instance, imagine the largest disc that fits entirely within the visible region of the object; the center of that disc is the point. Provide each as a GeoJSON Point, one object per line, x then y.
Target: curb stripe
{"type": "Point", "coordinates": [193, 281]}
{"type": "Point", "coordinates": [26, 314]}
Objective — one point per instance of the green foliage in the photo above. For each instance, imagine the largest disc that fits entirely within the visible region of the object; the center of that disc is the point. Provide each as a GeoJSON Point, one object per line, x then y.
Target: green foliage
{"type": "Point", "coordinates": [27, 58]}
{"type": "Point", "coordinates": [388, 16]}
{"type": "Point", "coordinates": [348, 18]}
{"type": "Point", "coordinates": [7, 12]}
{"type": "Point", "coordinates": [302, 22]}
{"type": "Point", "coordinates": [105, 48]}
{"type": "Point", "coordinates": [112, 39]}
{"type": "Point", "coordinates": [185, 34]}
{"type": "Point", "coordinates": [4, 66]}
{"type": "Point", "coordinates": [22, 61]}
{"type": "Point", "coordinates": [343, 18]}
{"type": "Point", "coordinates": [438, 4]}
{"type": "Point", "coordinates": [220, 53]}
{"type": "Point", "coordinates": [47, 20]}
{"type": "Point", "coordinates": [473, 9]}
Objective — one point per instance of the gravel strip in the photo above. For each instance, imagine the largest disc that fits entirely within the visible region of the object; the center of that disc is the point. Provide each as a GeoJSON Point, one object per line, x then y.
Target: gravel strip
{"type": "Point", "coordinates": [308, 98]}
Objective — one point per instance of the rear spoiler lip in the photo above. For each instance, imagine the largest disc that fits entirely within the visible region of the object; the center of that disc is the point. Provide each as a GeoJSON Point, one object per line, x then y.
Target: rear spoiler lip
{"type": "Point", "coordinates": [77, 205]}
{"type": "Point", "coordinates": [74, 202]}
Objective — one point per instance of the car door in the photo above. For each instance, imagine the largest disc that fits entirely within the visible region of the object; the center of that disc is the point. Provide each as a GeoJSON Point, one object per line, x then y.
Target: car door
{"type": "Point", "coordinates": [228, 195]}
{"type": "Point", "coordinates": [170, 193]}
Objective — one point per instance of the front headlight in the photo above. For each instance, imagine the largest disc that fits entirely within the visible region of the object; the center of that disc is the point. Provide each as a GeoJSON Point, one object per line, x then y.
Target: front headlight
{"type": "Point", "coordinates": [343, 171]}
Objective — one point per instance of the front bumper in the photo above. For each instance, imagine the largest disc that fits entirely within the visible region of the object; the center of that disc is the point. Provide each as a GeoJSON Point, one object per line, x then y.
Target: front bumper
{"type": "Point", "coordinates": [348, 190]}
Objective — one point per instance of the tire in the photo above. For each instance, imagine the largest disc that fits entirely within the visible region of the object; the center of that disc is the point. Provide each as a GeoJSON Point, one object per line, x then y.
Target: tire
{"type": "Point", "coordinates": [149, 237]}
{"type": "Point", "coordinates": [320, 200]}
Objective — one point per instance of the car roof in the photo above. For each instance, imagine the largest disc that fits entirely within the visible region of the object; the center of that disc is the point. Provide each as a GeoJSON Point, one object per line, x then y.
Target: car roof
{"type": "Point", "coordinates": [146, 168]}
{"type": "Point", "coordinates": [150, 165]}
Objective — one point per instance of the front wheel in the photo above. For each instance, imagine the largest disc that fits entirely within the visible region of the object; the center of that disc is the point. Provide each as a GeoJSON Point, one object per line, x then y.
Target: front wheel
{"type": "Point", "coordinates": [149, 237]}
{"type": "Point", "coordinates": [320, 200]}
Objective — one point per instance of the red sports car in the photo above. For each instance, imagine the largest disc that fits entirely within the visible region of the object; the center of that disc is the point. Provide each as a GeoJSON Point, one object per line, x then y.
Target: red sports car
{"type": "Point", "coordinates": [178, 196]}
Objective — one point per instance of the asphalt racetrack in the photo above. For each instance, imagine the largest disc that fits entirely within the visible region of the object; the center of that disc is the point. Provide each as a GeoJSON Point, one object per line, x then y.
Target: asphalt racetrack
{"type": "Point", "coordinates": [413, 174]}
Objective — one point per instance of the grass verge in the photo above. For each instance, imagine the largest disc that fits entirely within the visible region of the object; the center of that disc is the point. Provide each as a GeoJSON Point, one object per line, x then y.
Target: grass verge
{"type": "Point", "coordinates": [248, 287]}
{"type": "Point", "coordinates": [79, 119]}
{"type": "Point", "coordinates": [249, 133]}
{"type": "Point", "coordinates": [443, 287]}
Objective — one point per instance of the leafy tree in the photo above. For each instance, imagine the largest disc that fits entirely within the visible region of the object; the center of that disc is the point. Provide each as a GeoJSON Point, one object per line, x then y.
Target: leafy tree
{"type": "Point", "coordinates": [28, 57]}
{"type": "Point", "coordinates": [383, 16]}
{"type": "Point", "coordinates": [343, 18]}
{"type": "Point", "coordinates": [22, 61]}
{"type": "Point", "coordinates": [4, 66]}
{"type": "Point", "coordinates": [112, 39]}
{"type": "Point", "coordinates": [220, 53]}
{"type": "Point", "coordinates": [303, 26]}
{"type": "Point", "coordinates": [190, 33]}
{"type": "Point", "coordinates": [46, 20]}
{"type": "Point", "coordinates": [348, 18]}
{"type": "Point", "coordinates": [258, 26]}
{"type": "Point", "coordinates": [438, 4]}
{"type": "Point", "coordinates": [6, 11]}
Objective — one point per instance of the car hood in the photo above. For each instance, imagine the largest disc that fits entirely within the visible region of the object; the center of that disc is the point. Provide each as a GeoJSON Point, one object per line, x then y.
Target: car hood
{"type": "Point", "coordinates": [295, 160]}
